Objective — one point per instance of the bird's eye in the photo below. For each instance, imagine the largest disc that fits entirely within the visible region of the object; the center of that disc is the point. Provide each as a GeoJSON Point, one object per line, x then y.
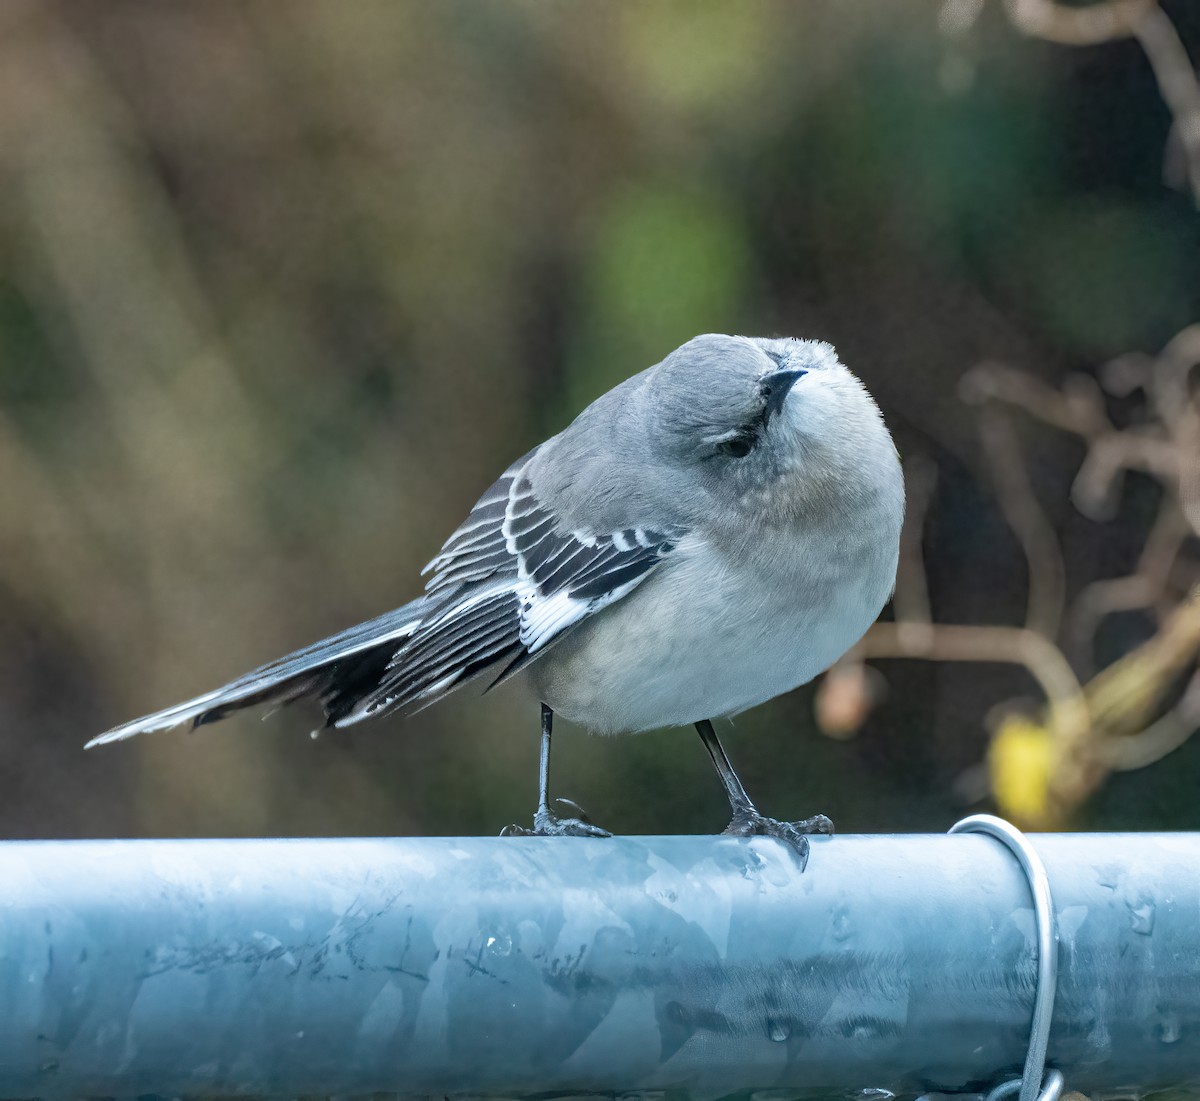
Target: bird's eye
{"type": "Point", "coordinates": [737, 448]}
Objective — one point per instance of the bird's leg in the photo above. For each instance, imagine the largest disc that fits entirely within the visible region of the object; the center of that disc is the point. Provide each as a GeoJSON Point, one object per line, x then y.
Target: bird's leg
{"type": "Point", "coordinates": [545, 822]}
{"type": "Point", "coordinates": [747, 821]}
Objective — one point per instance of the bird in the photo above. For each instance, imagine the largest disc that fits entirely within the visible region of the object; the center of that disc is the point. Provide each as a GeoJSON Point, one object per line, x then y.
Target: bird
{"type": "Point", "coordinates": [711, 533]}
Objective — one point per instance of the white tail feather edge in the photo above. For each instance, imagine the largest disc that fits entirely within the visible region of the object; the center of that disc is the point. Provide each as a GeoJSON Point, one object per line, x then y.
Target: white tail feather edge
{"type": "Point", "coordinates": [277, 673]}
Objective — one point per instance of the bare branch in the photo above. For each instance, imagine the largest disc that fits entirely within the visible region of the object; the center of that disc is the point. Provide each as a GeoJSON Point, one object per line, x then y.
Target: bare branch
{"type": "Point", "coordinates": [1082, 26]}
{"type": "Point", "coordinates": [1047, 584]}
{"type": "Point", "coordinates": [1176, 84]}
{"type": "Point", "coordinates": [1161, 737]}
{"type": "Point", "coordinates": [1145, 588]}
{"type": "Point", "coordinates": [1005, 645]}
{"type": "Point", "coordinates": [1113, 721]}
{"type": "Point", "coordinates": [1076, 409]}
{"type": "Point", "coordinates": [1144, 20]}
{"type": "Point", "coordinates": [1179, 410]}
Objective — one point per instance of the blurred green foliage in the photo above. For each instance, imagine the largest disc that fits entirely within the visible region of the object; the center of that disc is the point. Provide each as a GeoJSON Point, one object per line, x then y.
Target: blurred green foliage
{"type": "Point", "coordinates": [666, 263]}
{"type": "Point", "coordinates": [283, 287]}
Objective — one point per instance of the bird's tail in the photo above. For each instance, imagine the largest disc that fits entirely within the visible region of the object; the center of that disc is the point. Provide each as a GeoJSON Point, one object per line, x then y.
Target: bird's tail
{"type": "Point", "coordinates": [337, 671]}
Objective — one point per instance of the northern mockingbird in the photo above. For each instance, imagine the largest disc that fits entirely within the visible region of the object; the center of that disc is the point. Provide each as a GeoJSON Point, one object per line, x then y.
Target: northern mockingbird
{"type": "Point", "coordinates": [712, 532]}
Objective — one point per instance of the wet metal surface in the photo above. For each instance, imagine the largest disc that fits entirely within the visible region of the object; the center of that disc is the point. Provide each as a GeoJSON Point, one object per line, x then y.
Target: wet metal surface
{"type": "Point", "coordinates": [514, 967]}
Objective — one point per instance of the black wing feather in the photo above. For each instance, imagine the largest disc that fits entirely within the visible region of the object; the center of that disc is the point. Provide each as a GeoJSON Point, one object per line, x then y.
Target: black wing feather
{"type": "Point", "coordinates": [510, 581]}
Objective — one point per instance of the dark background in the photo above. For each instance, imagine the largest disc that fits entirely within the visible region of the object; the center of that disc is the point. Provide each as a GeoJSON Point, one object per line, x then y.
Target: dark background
{"type": "Point", "coordinates": [284, 286]}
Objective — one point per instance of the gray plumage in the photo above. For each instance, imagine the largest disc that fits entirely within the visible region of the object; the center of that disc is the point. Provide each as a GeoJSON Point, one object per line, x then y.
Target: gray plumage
{"type": "Point", "coordinates": [714, 531]}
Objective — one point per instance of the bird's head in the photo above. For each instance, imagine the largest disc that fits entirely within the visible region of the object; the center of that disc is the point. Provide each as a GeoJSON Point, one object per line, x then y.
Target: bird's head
{"type": "Point", "coordinates": [768, 424]}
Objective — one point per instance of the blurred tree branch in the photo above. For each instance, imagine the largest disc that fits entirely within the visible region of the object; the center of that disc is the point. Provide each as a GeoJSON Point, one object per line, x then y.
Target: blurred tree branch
{"type": "Point", "coordinates": [1147, 702]}
{"type": "Point", "coordinates": [1123, 717]}
{"type": "Point", "coordinates": [1110, 21]}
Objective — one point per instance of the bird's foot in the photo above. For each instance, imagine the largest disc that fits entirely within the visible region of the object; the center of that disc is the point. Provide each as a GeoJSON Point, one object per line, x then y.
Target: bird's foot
{"type": "Point", "coordinates": [748, 822]}
{"type": "Point", "coordinates": [548, 824]}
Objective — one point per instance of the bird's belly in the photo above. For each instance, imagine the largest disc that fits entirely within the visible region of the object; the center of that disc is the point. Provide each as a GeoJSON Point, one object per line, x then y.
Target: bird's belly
{"type": "Point", "coordinates": [705, 639]}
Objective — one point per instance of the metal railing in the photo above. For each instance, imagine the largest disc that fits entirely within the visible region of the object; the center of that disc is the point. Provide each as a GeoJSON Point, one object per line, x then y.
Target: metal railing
{"type": "Point", "coordinates": [520, 967]}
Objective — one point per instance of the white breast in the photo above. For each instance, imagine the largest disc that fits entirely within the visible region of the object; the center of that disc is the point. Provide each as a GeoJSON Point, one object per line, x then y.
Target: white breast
{"type": "Point", "coordinates": [709, 635]}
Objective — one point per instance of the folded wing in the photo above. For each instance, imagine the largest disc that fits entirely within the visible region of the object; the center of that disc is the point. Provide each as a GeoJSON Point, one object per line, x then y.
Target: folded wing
{"type": "Point", "coordinates": [509, 582]}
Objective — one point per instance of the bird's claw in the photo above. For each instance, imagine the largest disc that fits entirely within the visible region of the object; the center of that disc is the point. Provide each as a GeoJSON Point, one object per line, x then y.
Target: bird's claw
{"type": "Point", "coordinates": [748, 822]}
{"type": "Point", "coordinates": [548, 824]}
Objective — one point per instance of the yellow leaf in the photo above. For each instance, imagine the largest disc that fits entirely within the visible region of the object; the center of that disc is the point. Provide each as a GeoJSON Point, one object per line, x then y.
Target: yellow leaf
{"type": "Point", "coordinates": [1020, 759]}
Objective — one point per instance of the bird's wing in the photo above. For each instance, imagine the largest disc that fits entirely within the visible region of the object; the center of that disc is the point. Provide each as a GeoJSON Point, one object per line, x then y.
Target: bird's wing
{"type": "Point", "coordinates": [510, 581]}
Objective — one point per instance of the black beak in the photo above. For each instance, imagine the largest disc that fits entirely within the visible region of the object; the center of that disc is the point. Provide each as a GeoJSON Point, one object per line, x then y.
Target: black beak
{"type": "Point", "coordinates": [775, 388]}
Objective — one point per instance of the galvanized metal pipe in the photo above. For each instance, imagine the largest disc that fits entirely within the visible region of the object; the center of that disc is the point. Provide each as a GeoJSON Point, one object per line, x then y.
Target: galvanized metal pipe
{"type": "Point", "coordinates": [514, 967]}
